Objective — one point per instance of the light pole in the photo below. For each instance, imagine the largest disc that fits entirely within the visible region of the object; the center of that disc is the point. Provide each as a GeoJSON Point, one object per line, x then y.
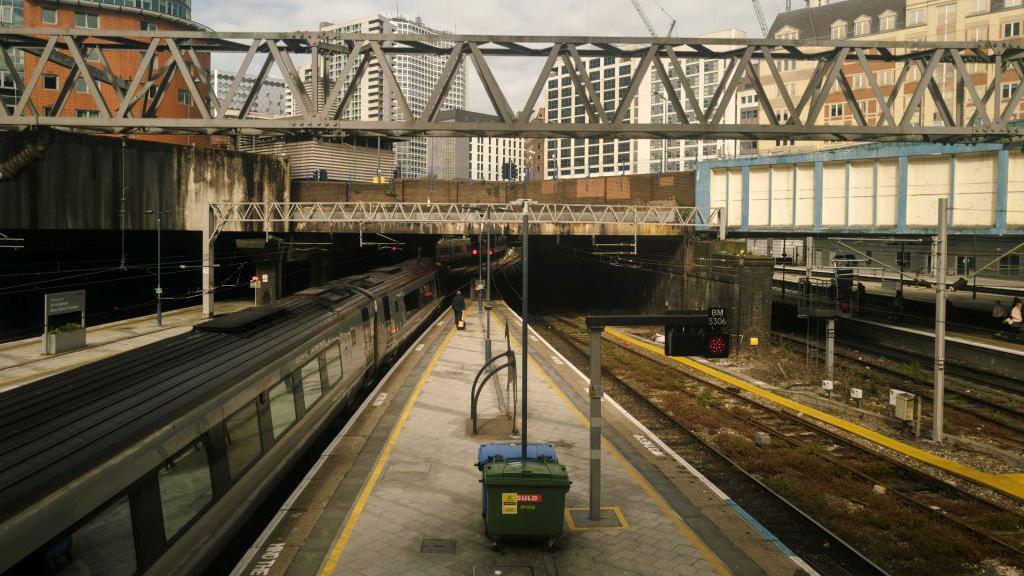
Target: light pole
{"type": "Point", "coordinates": [487, 338]}
{"type": "Point", "coordinates": [526, 315]}
{"type": "Point", "coordinates": [159, 265]}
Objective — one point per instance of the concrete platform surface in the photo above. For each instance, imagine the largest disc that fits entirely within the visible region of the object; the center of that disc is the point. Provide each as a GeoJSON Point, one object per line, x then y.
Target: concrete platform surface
{"type": "Point", "coordinates": [23, 361]}
{"type": "Point", "coordinates": [398, 492]}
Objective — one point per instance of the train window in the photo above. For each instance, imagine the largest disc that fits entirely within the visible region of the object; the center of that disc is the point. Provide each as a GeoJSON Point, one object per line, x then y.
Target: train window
{"type": "Point", "coordinates": [412, 302]}
{"type": "Point", "coordinates": [243, 438]}
{"type": "Point", "coordinates": [427, 292]}
{"type": "Point", "coordinates": [312, 389]}
{"type": "Point", "coordinates": [334, 369]}
{"type": "Point", "coordinates": [282, 406]}
{"type": "Point", "coordinates": [185, 487]}
{"type": "Point", "coordinates": [387, 309]}
{"type": "Point", "coordinates": [103, 545]}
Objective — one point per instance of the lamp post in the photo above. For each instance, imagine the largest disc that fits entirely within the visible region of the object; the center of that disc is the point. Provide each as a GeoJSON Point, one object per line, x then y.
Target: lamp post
{"type": "Point", "coordinates": [526, 315]}
{"type": "Point", "coordinates": [159, 265]}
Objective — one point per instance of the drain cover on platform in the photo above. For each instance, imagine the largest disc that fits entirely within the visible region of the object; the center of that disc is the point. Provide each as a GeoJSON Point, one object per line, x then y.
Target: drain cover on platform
{"type": "Point", "coordinates": [437, 546]}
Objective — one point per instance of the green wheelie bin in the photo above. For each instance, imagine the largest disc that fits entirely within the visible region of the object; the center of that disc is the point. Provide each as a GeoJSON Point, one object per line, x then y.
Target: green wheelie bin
{"type": "Point", "coordinates": [525, 499]}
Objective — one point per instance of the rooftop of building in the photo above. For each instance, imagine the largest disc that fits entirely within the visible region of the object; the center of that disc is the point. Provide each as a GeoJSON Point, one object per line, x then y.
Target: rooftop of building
{"type": "Point", "coordinates": [816, 22]}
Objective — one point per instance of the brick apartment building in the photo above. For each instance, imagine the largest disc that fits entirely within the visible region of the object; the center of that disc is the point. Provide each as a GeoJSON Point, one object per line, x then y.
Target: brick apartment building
{"type": "Point", "coordinates": [100, 15]}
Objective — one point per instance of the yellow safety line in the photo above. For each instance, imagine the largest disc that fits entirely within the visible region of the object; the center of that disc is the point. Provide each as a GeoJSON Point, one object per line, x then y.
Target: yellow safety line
{"type": "Point", "coordinates": [371, 482]}
{"type": "Point", "coordinates": [1006, 484]}
{"type": "Point", "coordinates": [653, 494]}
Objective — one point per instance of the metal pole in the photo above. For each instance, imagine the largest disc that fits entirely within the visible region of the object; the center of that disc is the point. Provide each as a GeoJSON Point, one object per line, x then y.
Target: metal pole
{"type": "Point", "coordinates": [159, 267]}
{"type": "Point", "coordinates": [208, 256]}
{"type": "Point", "coordinates": [526, 315]}
{"type": "Point", "coordinates": [480, 273]}
{"type": "Point", "coordinates": [487, 337]}
{"type": "Point", "coordinates": [940, 326]}
{"type": "Point", "coordinates": [596, 393]}
{"type": "Point", "coordinates": [723, 222]}
{"type": "Point", "coordinates": [830, 347]}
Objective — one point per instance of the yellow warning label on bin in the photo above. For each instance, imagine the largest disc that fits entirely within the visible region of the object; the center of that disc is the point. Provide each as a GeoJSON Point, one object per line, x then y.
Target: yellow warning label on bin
{"type": "Point", "coordinates": [509, 503]}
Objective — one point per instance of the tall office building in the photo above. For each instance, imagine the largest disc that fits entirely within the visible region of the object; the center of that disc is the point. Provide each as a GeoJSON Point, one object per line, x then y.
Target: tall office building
{"type": "Point", "coordinates": [416, 75]}
{"type": "Point", "coordinates": [611, 77]}
{"type": "Point", "coordinates": [476, 158]}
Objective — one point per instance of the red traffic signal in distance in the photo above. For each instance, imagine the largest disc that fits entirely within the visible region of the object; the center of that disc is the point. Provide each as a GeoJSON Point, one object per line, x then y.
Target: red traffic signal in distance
{"type": "Point", "coordinates": [490, 252]}
{"type": "Point", "coordinates": [716, 346]}
{"type": "Point", "coordinates": [475, 251]}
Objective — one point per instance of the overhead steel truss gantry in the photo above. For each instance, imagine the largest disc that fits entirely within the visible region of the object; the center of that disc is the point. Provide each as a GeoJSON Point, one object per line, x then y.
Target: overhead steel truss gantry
{"type": "Point", "coordinates": [433, 218]}
{"type": "Point", "coordinates": [960, 84]}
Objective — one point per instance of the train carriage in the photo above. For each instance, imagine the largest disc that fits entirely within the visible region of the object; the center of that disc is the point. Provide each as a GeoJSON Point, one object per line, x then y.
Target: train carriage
{"type": "Point", "coordinates": [150, 461]}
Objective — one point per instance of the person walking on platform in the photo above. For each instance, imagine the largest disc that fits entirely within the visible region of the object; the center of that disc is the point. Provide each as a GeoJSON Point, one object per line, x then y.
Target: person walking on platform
{"type": "Point", "coordinates": [459, 307]}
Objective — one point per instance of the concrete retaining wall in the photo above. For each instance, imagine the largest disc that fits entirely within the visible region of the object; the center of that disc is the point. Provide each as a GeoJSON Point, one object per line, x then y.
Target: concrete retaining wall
{"type": "Point", "coordinates": [719, 274]}
{"type": "Point", "coordinates": [76, 184]}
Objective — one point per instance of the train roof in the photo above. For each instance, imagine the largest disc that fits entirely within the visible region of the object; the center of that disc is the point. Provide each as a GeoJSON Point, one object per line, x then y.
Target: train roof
{"type": "Point", "coordinates": [58, 428]}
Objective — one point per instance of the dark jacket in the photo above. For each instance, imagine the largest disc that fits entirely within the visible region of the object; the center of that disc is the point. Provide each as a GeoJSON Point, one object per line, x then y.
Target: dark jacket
{"type": "Point", "coordinates": [459, 303]}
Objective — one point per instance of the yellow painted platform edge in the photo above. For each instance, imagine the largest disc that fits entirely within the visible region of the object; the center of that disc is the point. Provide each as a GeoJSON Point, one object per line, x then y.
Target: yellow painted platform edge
{"type": "Point", "coordinates": [653, 494]}
{"type": "Point", "coordinates": [623, 524]}
{"type": "Point", "coordinates": [1004, 484]}
{"type": "Point", "coordinates": [364, 495]}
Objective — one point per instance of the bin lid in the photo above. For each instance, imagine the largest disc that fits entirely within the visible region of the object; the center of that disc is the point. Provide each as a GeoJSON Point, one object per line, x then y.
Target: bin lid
{"type": "Point", "coordinates": [512, 451]}
{"type": "Point", "coordinates": [529, 473]}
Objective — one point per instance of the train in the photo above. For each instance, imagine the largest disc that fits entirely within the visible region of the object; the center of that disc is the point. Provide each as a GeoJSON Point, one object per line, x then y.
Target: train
{"type": "Point", "coordinates": [461, 251]}
{"type": "Point", "coordinates": [149, 462]}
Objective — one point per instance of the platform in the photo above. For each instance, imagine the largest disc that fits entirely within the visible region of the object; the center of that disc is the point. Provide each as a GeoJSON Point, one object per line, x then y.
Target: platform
{"type": "Point", "coordinates": [23, 361]}
{"type": "Point", "coordinates": [397, 492]}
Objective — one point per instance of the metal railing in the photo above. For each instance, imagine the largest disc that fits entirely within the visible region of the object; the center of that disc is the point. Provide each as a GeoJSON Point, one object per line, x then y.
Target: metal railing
{"type": "Point", "coordinates": [490, 370]}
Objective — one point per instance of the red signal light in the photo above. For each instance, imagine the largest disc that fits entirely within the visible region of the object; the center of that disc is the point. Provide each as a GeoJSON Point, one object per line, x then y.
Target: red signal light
{"type": "Point", "coordinates": [717, 346]}
{"type": "Point", "coordinates": [490, 252]}
{"type": "Point", "coordinates": [475, 251]}
{"type": "Point", "coordinates": [255, 278]}
{"type": "Point", "coordinates": [394, 248]}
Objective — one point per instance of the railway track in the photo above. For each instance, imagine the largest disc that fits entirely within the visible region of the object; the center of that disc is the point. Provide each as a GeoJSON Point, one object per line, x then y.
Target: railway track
{"type": "Point", "coordinates": [823, 551]}
{"type": "Point", "coordinates": [855, 483]}
{"type": "Point", "coordinates": [961, 393]}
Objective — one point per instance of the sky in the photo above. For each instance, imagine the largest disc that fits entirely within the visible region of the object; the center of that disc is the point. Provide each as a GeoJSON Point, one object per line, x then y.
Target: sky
{"type": "Point", "coordinates": [542, 17]}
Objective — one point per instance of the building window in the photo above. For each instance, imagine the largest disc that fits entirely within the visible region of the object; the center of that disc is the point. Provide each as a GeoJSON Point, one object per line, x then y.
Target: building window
{"type": "Point", "coordinates": [81, 86]}
{"type": "Point", "coordinates": [862, 26]}
{"type": "Point", "coordinates": [838, 30]}
{"type": "Point", "coordinates": [51, 82]}
{"type": "Point", "coordinates": [836, 110]}
{"type": "Point", "coordinates": [915, 17]}
{"type": "Point", "coordinates": [1008, 88]}
{"type": "Point", "coordinates": [1011, 29]}
{"type": "Point", "coordinates": [978, 6]}
{"type": "Point", "coordinates": [93, 54]}
{"type": "Point", "coordinates": [147, 26]}
{"type": "Point", "coordinates": [49, 15]}
{"type": "Point", "coordinates": [1010, 265]}
{"type": "Point", "coordinates": [87, 113]}
{"type": "Point", "coordinates": [184, 97]}
{"type": "Point", "coordinates": [887, 21]}
{"type": "Point", "coordinates": [86, 20]}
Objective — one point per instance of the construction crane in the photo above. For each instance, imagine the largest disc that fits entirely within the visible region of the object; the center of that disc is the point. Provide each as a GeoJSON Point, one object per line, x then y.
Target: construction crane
{"type": "Point", "coordinates": [760, 17]}
{"type": "Point", "coordinates": [647, 22]}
